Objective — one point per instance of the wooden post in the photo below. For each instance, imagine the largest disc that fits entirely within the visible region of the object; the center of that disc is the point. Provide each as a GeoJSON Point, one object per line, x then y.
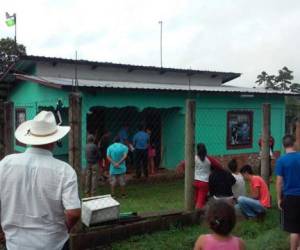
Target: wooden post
{"type": "Point", "coordinates": [2, 151]}
{"type": "Point", "coordinates": [265, 147]}
{"type": "Point", "coordinates": [75, 101]}
{"type": "Point", "coordinates": [189, 154]}
{"type": "Point", "coordinates": [297, 144]}
{"type": "Point", "coordinates": [8, 128]}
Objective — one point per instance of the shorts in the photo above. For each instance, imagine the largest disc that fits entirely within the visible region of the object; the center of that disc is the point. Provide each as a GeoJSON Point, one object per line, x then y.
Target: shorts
{"type": "Point", "coordinates": [291, 214]}
{"type": "Point", "coordinates": [117, 177]}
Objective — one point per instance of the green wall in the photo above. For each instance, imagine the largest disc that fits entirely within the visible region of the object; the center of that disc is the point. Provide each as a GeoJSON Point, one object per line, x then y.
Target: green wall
{"type": "Point", "coordinates": [211, 115]}
{"type": "Point", "coordinates": [31, 96]}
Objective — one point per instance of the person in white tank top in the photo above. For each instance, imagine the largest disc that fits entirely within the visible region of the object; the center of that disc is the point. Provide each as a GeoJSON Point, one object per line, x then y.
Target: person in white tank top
{"type": "Point", "coordinates": [203, 164]}
{"type": "Point", "coordinates": [239, 188]}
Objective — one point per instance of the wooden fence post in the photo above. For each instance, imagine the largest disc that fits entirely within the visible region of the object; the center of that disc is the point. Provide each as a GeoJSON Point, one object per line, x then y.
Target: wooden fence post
{"type": "Point", "coordinates": [2, 148]}
{"type": "Point", "coordinates": [265, 147]}
{"type": "Point", "coordinates": [8, 128]}
{"type": "Point", "coordinates": [75, 101]}
{"type": "Point", "coordinates": [189, 154]}
{"type": "Point", "coordinates": [297, 144]}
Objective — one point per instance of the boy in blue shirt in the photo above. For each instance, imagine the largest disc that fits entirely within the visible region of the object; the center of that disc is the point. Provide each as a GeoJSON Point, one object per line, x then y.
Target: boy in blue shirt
{"type": "Point", "coordinates": [288, 190]}
{"type": "Point", "coordinates": [116, 155]}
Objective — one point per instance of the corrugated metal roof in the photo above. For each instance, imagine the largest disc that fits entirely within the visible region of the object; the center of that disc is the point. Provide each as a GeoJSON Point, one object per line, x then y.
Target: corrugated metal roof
{"type": "Point", "coordinates": [67, 82]}
{"type": "Point", "coordinates": [226, 76]}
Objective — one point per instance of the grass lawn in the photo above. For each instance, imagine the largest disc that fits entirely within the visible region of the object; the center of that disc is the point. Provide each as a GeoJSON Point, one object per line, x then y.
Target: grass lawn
{"type": "Point", "coordinates": [149, 197]}
{"type": "Point", "coordinates": [166, 196]}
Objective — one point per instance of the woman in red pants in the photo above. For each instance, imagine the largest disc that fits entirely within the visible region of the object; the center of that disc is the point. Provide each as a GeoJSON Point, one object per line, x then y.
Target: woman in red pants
{"type": "Point", "coordinates": [203, 164]}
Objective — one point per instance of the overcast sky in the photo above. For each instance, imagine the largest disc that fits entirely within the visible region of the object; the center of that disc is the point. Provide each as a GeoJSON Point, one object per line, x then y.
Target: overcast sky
{"type": "Point", "coordinates": [221, 35]}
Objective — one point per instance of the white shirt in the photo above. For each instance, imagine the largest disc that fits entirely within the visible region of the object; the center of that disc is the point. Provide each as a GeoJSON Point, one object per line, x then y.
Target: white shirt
{"type": "Point", "coordinates": [238, 189]}
{"type": "Point", "coordinates": [202, 169]}
{"type": "Point", "coordinates": [35, 189]}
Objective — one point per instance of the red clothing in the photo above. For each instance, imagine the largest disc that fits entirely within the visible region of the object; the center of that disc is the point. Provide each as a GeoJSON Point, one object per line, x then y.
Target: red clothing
{"type": "Point", "coordinates": [201, 191]}
{"type": "Point", "coordinates": [264, 194]}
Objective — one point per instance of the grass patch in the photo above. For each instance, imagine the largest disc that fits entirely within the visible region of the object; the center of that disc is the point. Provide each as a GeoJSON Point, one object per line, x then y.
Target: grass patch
{"type": "Point", "coordinates": [265, 235]}
{"type": "Point", "coordinates": [148, 197]}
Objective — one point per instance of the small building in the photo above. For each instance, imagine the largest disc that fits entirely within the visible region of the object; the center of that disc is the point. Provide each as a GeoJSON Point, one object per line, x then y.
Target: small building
{"type": "Point", "coordinates": [228, 119]}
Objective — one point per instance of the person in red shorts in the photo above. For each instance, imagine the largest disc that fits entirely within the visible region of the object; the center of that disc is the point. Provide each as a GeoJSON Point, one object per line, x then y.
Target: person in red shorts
{"type": "Point", "coordinates": [203, 164]}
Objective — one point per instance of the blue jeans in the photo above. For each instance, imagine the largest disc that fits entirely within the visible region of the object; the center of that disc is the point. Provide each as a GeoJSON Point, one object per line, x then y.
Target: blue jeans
{"type": "Point", "coordinates": [250, 207]}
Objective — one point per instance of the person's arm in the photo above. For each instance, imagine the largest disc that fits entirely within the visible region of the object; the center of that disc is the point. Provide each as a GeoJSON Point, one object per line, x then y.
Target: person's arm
{"type": "Point", "coordinates": [199, 243]}
{"type": "Point", "coordinates": [72, 216]}
{"type": "Point", "coordinates": [279, 184]}
{"type": "Point", "coordinates": [108, 156]}
{"type": "Point", "coordinates": [111, 161]}
{"type": "Point", "coordinates": [215, 163]}
{"type": "Point", "coordinates": [232, 179]}
{"type": "Point", "coordinates": [70, 198]}
{"type": "Point", "coordinates": [279, 171]}
{"type": "Point", "coordinates": [255, 191]}
{"type": "Point", "coordinates": [125, 148]}
{"type": "Point", "coordinates": [122, 159]}
{"type": "Point", "coordinates": [242, 245]}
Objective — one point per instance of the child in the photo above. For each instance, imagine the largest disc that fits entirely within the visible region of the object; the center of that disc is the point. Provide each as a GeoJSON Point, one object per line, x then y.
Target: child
{"type": "Point", "coordinates": [238, 188]}
{"type": "Point", "coordinates": [221, 219]}
{"type": "Point", "coordinates": [117, 154]}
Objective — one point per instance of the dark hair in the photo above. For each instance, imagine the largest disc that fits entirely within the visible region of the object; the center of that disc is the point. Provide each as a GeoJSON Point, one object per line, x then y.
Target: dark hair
{"type": "Point", "coordinates": [232, 165]}
{"type": "Point", "coordinates": [90, 138]}
{"type": "Point", "coordinates": [141, 127]}
{"type": "Point", "coordinates": [201, 151]}
{"type": "Point", "coordinates": [220, 217]}
{"type": "Point", "coordinates": [117, 139]}
{"type": "Point", "coordinates": [288, 141]}
{"type": "Point", "coordinates": [246, 169]}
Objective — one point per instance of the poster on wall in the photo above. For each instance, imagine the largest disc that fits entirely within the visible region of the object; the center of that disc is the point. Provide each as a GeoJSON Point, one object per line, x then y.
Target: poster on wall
{"type": "Point", "coordinates": [20, 117]}
{"type": "Point", "coordinates": [239, 129]}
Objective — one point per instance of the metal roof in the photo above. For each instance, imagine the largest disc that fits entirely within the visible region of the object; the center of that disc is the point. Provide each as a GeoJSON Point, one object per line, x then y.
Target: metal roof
{"type": "Point", "coordinates": [67, 82]}
{"type": "Point", "coordinates": [226, 76]}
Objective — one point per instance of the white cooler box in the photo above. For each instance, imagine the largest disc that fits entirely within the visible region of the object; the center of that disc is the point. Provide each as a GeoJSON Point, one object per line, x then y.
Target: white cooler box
{"type": "Point", "coordinates": [99, 209]}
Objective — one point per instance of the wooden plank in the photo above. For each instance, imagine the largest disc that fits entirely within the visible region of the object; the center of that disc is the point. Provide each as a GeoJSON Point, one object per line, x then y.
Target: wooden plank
{"type": "Point", "coordinates": [265, 149]}
{"type": "Point", "coordinates": [103, 236]}
{"type": "Point", "coordinates": [8, 128]}
{"type": "Point", "coordinates": [189, 154]}
{"type": "Point", "coordinates": [75, 102]}
{"type": "Point", "coordinates": [2, 154]}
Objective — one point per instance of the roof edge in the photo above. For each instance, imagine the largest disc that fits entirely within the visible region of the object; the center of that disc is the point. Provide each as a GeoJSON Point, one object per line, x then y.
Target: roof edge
{"type": "Point", "coordinates": [226, 76]}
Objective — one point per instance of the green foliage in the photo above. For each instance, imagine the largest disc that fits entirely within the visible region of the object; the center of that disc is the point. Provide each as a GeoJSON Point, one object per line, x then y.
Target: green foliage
{"type": "Point", "coordinates": [7, 47]}
{"type": "Point", "coordinates": [282, 81]}
{"type": "Point", "coordinates": [9, 52]}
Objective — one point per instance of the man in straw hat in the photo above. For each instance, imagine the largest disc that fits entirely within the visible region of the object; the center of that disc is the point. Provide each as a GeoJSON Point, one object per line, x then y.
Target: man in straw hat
{"type": "Point", "coordinates": [38, 193]}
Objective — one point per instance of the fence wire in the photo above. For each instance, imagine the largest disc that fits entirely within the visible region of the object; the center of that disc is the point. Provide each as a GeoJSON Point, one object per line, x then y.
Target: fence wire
{"type": "Point", "coordinates": [151, 180]}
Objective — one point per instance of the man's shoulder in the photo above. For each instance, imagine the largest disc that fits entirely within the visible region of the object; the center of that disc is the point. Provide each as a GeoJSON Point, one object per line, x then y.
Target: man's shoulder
{"type": "Point", "coordinates": [63, 165]}
{"type": "Point", "coordinates": [290, 156]}
{"type": "Point", "coordinates": [16, 157]}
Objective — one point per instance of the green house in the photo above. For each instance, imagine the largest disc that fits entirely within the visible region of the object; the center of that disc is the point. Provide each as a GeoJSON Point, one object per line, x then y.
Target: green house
{"type": "Point", "coordinates": [228, 119]}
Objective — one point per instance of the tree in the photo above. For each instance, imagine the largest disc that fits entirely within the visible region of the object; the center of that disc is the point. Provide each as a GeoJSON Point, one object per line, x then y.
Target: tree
{"type": "Point", "coordinates": [283, 81]}
{"type": "Point", "coordinates": [267, 80]}
{"type": "Point", "coordinates": [9, 53]}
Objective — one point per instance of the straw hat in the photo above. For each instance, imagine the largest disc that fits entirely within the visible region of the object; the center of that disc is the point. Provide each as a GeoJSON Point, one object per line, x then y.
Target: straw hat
{"type": "Point", "coordinates": [41, 130]}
